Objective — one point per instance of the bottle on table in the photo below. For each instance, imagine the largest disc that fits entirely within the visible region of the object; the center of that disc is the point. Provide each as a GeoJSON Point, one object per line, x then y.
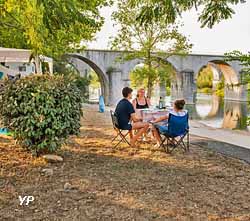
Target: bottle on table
{"type": "Point", "coordinates": [161, 103]}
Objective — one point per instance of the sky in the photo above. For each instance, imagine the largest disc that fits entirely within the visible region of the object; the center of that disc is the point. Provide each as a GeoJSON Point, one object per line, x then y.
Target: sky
{"type": "Point", "coordinates": [228, 35]}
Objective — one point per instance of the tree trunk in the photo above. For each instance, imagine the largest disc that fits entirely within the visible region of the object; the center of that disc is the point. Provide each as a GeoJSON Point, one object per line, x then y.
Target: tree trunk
{"type": "Point", "coordinates": [38, 69]}
{"type": "Point", "coordinates": [149, 87]}
{"type": "Point", "coordinates": [150, 81]}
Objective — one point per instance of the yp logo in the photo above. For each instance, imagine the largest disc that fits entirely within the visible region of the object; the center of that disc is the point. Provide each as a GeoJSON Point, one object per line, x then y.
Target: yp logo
{"type": "Point", "coordinates": [26, 200]}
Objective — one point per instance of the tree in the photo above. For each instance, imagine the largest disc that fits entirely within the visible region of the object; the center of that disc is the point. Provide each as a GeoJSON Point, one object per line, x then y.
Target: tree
{"type": "Point", "coordinates": [212, 11]}
{"type": "Point", "coordinates": [138, 76]}
{"type": "Point", "coordinates": [71, 74]}
{"type": "Point", "coordinates": [94, 80]}
{"type": "Point", "coordinates": [205, 79]}
{"type": "Point", "coordinates": [162, 75]}
{"type": "Point", "coordinates": [244, 60]}
{"type": "Point", "coordinates": [49, 27]}
{"type": "Point", "coordinates": [150, 43]}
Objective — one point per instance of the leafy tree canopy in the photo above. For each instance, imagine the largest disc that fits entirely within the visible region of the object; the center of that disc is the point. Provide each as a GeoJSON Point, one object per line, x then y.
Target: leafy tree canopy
{"type": "Point", "coordinates": [244, 60]}
{"type": "Point", "coordinates": [212, 11]}
{"type": "Point", "coordinates": [149, 43]}
{"type": "Point", "coordinates": [49, 27]}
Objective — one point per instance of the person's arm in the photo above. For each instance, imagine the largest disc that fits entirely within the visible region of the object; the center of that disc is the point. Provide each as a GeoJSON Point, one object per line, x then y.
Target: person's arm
{"type": "Point", "coordinates": [134, 103]}
{"type": "Point", "coordinates": [160, 119]}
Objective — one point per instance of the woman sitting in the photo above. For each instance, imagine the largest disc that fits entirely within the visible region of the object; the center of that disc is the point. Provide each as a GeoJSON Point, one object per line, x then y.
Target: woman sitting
{"type": "Point", "coordinates": [177, 111]}
{"type": "Point", "coordinates": [141, 102]}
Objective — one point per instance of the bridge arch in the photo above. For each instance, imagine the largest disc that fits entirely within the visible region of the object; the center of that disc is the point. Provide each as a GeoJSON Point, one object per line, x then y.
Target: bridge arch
{"type": "Point", "coordinates": [233, 89]}
{"type": "Point", "coordinates": [212, 110]}
{"type": "Point", "coordinates": [187, 66]}
{"type": "Point", "coordinates": [100, 73]}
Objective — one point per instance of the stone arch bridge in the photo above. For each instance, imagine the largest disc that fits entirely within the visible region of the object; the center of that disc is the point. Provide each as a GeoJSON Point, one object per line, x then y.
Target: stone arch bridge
{"type": "Point", "coordinates": [114, 74]}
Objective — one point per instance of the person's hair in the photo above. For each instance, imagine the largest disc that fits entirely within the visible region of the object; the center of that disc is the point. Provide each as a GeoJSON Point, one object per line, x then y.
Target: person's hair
{"type": "Point", "coordinates": [126, 91]}
{"type": "Point", "coordinates": [179, 104]}
{"type": "Point", "coordinates": [139, 90]}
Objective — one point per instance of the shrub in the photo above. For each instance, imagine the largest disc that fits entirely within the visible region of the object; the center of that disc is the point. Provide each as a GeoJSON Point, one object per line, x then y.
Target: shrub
{"type": "Point", "coordinates": [205, 78]}
{"type": "Point", "coordinates": [205, 90]}
{"type": "Point", "coordinates": [220, 88]}
{"type": "Point", "coordinates": [168, 91]}
{"type": "Point", "coordinates": [41, 110]}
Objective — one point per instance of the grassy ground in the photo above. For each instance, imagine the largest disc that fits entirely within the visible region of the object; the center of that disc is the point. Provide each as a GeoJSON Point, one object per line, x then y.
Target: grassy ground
{"type": "Point", "coordinates": [123, 183]}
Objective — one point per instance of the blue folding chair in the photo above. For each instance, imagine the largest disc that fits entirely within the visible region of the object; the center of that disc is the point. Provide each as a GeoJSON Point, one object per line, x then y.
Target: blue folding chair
{"type": "Point", "coordinates": [177, 130]}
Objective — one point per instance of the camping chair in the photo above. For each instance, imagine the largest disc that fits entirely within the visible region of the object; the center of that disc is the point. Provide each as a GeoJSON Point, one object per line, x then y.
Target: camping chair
{"type": "Point", "coordinates": [118, 130]}
{"type": "Point", "coordinates": [178, 129]}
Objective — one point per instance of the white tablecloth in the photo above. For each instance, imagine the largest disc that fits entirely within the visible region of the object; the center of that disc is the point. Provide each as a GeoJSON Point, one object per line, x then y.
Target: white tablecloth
{"type": "Point", "coordinates": [151, 114]}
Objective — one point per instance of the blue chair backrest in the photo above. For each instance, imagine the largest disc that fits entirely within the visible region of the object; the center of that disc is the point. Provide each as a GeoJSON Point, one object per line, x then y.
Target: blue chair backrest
{"type": "Point", "coordinates": [177, 125]}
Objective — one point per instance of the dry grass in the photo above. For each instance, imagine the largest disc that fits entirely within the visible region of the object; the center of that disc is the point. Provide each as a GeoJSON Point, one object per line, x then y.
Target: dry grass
{"type": "Point", "coordinates": [122, 183]}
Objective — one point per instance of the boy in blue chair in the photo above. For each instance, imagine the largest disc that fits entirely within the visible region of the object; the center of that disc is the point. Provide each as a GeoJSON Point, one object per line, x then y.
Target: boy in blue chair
{"type": "Point", "coordinates": [175, 127]}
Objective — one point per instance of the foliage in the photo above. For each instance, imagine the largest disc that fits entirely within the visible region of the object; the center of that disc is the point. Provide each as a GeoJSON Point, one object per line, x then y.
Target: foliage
{"type": "Point", "coordinates": [152, 43]}
{"type": "Point", "coordinates": [169, 10]}
{"type": "Point", "coordinates": [83, 83]}
{"type": "Point", "coordinates": [205, 78]}
{"type": "Point", "coordinates": [138, 77]}
{"type": "Point", "coordinates": [162, 74]}
{"type": "Point", "coordinates": [71, 74]}
{"type": "Point", "coordinates": [244, 60]}
{"type": "Point", "coordinates": [168, 90]}
{"type": "Point", "coordinates": [94, 80]}
{"type": "Point", "coordinates": [41, 110]}
{"type": "Point", "coordinates": [49, 27]}
{"type": "Point", "coordinates": [64, 68]}
{"type": "Point", "coordinates": [220, 88]}
{"type": "Point", "coordinates": [205, 90]}
{"type": "Point", "coordinates": [205, 82]}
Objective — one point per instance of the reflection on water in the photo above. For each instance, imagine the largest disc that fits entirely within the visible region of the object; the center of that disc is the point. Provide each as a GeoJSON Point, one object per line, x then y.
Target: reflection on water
{"type": "Point", "coordinates": [218, 113]}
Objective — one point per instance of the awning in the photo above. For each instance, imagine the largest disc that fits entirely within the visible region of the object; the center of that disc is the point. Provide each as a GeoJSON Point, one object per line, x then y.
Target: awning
{"type": "Point", "coordinates": [14, 55]}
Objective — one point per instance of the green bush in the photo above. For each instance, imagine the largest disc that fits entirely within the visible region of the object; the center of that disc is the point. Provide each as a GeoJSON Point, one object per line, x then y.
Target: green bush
{"type": "Point", "coordinates": [220, 88]}
{"type": "Point", "coordinates": [83, 83]}
{"type": "Point", "coordinates": [41, 110]}
{"type": "Point", "coordinates": [205, 90]}
{"type": "Point", "coordinates": [168, 91]}
{"type": "Point", "coordinates": [205, 78]}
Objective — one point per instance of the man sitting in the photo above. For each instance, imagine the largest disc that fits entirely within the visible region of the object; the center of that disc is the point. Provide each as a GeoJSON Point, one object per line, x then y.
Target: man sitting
{"type": "Point", "coordinates": [125, 114]}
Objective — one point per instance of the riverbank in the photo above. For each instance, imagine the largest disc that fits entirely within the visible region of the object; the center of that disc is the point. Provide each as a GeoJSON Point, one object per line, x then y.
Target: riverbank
{"type": "Point", "coordinates": [234, 137]}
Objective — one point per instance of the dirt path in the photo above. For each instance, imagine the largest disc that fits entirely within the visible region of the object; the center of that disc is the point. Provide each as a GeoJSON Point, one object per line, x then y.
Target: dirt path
{"type": "Point", "coordinates": [122, 184]}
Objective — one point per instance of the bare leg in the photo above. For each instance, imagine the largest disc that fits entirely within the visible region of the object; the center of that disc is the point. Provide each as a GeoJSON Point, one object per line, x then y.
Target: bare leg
{"type": "Point", "coordinates": [131, 134]}
{"type": "Point", "coordinates": [157, 135]}
{"type": "Point", "coordinates": [141, 127]}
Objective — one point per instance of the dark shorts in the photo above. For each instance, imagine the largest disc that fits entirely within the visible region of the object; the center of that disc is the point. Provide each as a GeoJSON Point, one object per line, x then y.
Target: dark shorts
{"type": "Point", "coordinates": [127, 127]}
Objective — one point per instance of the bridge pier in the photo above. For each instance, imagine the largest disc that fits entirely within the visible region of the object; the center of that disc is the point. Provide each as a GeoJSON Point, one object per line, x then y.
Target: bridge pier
{"type": "Point", "coordinates": [183, 86]}
{"type": "Point", "coordinates": [115, 86]}
{"type": "Point", "coordinates": [234, 115]}
{"type": "Point", "coordinates": [235, 92]}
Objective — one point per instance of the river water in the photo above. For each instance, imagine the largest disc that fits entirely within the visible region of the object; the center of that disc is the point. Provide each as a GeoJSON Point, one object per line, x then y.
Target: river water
{"type": "Point", "coordinates": [215, 112]}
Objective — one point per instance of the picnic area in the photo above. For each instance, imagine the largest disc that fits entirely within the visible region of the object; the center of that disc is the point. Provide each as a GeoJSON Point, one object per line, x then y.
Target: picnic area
{"type": "Point", "coordinates": [97, 182]}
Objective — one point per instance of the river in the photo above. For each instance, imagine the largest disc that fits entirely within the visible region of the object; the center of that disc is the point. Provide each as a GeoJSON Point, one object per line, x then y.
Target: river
{"type": "Point", "coordinates": [216, 112]}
